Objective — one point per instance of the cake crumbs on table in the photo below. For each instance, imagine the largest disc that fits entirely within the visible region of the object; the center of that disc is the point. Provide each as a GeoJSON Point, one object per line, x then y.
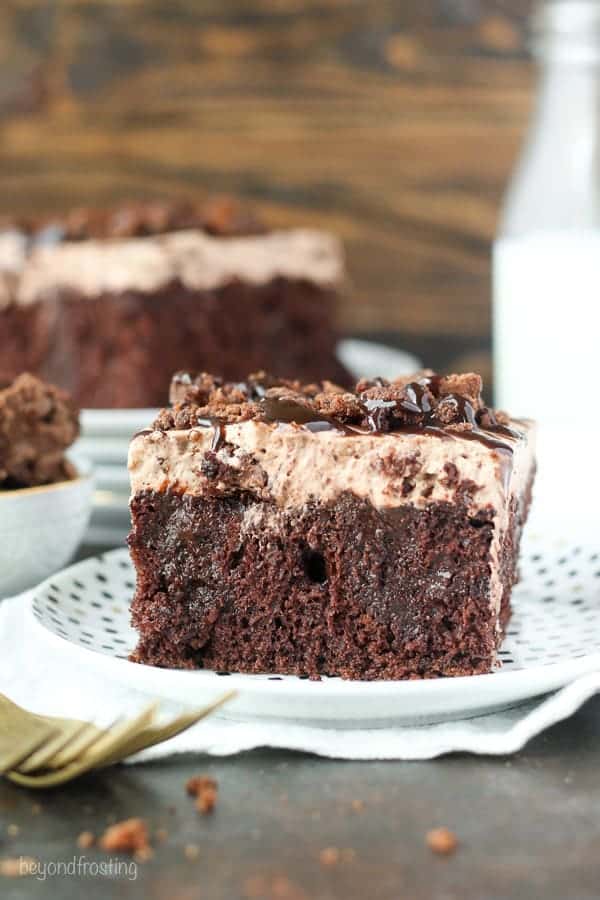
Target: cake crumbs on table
{"type": "Point", "coordinates": [277, 887]}
{"type": "Point", "coordinates": [18, 866]}
{"type": "Point", "coordinates": [205, 790]}
{"type": "Point", "coordinates": [358, 805]}
{"type": "Point", "coordinates": [329, 856]}
{"type": "Point", "coordinates": [161, 835]}
{"type": "Point", "coordinates": [332, 856]}
{"type": "Point", "coordinates": [441, 841]}
{"type": "Point", "coordinates": [86, 840]}
{"type": "Point", "coordinates": [12, 830]}
{"type": "Point", "coordinates": [128, 836]}
{"type": "Point", "coordinates": [191, 852]}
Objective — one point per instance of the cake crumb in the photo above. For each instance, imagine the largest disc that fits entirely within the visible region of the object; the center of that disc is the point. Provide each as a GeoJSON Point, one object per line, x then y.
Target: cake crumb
{"type": "Point", "coordinates": [36, 808]}
{"type": "Point", "coordinates": [358, 805]}
{"type": "Point", "coordinates": [206, 800]}
{"type": "Point", "coordinates": [17, 866]}
{"type": "Point", "coordinates": [12, 830]}
{"type": "Point", "coordinates": [442, 841]}
{"type": "Point", "coordinates": [191, 852]}
{"type": "Point", "coordinates": [278, 887]}
{"type": "Point", "coordinates": [329, 856]}
{"type": "Point", "coordinates": [161, 835]}
{"type": "Point", "coordinates": [128, 836]}
{"type": "Point", "coordinates": [86, 840]}
{"type": "Point", "coordinates": [204, 789]}
{"type": "Point", "coordinates": [332, 856]}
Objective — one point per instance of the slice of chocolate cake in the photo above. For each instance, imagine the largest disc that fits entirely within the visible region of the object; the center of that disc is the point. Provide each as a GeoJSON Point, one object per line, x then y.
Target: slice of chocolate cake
{"type": "Point", "coordinates": [109, 304]}
{"type": "Point", "coordinates": [38, 423]}
{"type": "Point", "coordinates": [289, 528]}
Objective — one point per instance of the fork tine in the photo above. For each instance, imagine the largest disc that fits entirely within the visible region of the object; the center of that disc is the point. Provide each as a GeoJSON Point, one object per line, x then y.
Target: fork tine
{"type": "Point", "coordinates": [158, 733]}
{"type": "Point", "coordinates": [117, 743]}
{"type": "Point", "coordinates": [77, 747]}
{"type": "Point", "coordinates": [21, 734]}
{"type": "Point", "coordinates": [20, 749]}
{"type": "Point", "coordinates": [90, 759]}
{"type": "Point", "coordinates": [69, 743]}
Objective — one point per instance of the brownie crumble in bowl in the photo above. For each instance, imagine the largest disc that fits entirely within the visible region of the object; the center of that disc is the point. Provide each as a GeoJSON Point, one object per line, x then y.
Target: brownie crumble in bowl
{"type": "Point", "coordinates": [45, 494]}
{"type": "Point", "coordinates": [305, 529]}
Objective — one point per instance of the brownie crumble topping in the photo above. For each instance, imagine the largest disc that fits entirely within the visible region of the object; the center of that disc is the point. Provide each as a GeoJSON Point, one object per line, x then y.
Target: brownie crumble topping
{"type": "Point", "coordinates": [425, 401]}
{"type": "Point", "coordinates": [220, 216]}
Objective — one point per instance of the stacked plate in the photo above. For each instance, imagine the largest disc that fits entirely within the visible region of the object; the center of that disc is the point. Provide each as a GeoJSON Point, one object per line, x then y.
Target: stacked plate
{"type": "Point", "coordinates": [106, 433]}
{"type": "Point", "coordinates": [105, 437]}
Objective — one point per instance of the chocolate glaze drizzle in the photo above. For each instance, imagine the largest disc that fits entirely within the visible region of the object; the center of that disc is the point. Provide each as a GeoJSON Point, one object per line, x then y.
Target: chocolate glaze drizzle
{"type": "Point", "coordinates": [416, 402]}
{"type": "Point", "coordinates": [288, 412]}
{"type": "Point", "coordinates": [219, 431]}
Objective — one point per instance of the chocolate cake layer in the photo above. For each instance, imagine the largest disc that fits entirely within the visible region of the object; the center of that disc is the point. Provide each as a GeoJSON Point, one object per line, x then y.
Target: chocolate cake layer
{"type": "Point", "coordinates": [303, 529]}
{"type": "Point", "coordinates": [116, 350]}
{"type": "Point", "coordinates": [108, 305]}
{"type": "Point", "coordinates": [340, 589]}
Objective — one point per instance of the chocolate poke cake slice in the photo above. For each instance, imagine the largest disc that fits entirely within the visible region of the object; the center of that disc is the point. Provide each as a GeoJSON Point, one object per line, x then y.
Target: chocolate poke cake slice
{"type": "Point", "coordinates": [107, 304]}
{"type": "Point", "coordinates": [38, 423]}
{"type": "Point", "coordinates": [288, 528]}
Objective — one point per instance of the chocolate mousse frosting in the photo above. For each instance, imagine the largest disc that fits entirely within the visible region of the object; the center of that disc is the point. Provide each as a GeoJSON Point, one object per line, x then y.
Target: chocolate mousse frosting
{"type": "Point", "coordinates": [411, 440]}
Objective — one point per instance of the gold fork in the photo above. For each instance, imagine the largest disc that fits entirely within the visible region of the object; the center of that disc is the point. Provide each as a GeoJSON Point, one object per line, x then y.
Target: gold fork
{"type": "Point", "coordinates": [45, 751]}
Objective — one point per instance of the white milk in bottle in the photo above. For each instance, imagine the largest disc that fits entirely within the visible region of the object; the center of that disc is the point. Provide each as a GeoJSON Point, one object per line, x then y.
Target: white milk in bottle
{"type": "Point", "coordinates": [546, 263]}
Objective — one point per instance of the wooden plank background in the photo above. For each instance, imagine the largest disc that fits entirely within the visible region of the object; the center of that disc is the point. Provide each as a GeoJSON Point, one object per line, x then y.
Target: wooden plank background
{"type": "Point", "coordinates": [392, 123]}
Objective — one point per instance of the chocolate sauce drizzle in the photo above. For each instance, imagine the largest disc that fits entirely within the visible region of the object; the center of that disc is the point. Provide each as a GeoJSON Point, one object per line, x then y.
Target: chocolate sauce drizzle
{"type": "Point", "coordinates": [416, 402]}
{"type": "Point", "coordinates": [290, 412]}
{"type": "Point", "coordinates": [219, 430]}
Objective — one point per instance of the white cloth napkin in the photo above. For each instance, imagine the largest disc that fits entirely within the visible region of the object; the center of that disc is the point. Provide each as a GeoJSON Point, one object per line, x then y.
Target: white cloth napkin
{"type": "Point", "coordinates": [46, 682]}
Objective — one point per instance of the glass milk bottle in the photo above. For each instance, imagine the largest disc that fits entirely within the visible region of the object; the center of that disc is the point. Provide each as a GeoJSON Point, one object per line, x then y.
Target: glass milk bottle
{"type": "Point", "coordinates": [546, 266]}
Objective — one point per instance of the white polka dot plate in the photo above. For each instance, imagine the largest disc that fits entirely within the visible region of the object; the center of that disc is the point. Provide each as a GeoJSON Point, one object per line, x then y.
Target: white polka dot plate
{"type": "Point", "coordinates": [553, 637]}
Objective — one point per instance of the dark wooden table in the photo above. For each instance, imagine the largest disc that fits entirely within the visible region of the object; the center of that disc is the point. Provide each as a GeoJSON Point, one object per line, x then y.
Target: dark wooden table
{"type": "Point", "coordinates": [529, 826]}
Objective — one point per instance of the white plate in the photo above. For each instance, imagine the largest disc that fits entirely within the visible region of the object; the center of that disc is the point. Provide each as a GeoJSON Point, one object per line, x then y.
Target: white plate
{"type": "Point", "coordinates": [363, 359]}
{"type": "Point", "coordinates": [554, 636]}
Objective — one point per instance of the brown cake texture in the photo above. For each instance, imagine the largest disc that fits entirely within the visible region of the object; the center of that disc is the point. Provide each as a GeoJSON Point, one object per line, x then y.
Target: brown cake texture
{"type": "Point", "coordinates": [304, 529]}
{"type": "Point", "coordinates": [38, 423]}
{"type": "Point", "coordinates": [108, 303]}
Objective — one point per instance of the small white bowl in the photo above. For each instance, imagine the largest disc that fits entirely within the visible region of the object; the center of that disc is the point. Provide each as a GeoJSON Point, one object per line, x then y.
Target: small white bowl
{"type": "Point", "coordinates": [41, 528]}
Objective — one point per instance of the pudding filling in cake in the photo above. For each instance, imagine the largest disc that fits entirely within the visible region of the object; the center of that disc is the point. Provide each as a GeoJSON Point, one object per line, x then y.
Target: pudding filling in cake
{"type": "Point", "coordinates": [288, 528]}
